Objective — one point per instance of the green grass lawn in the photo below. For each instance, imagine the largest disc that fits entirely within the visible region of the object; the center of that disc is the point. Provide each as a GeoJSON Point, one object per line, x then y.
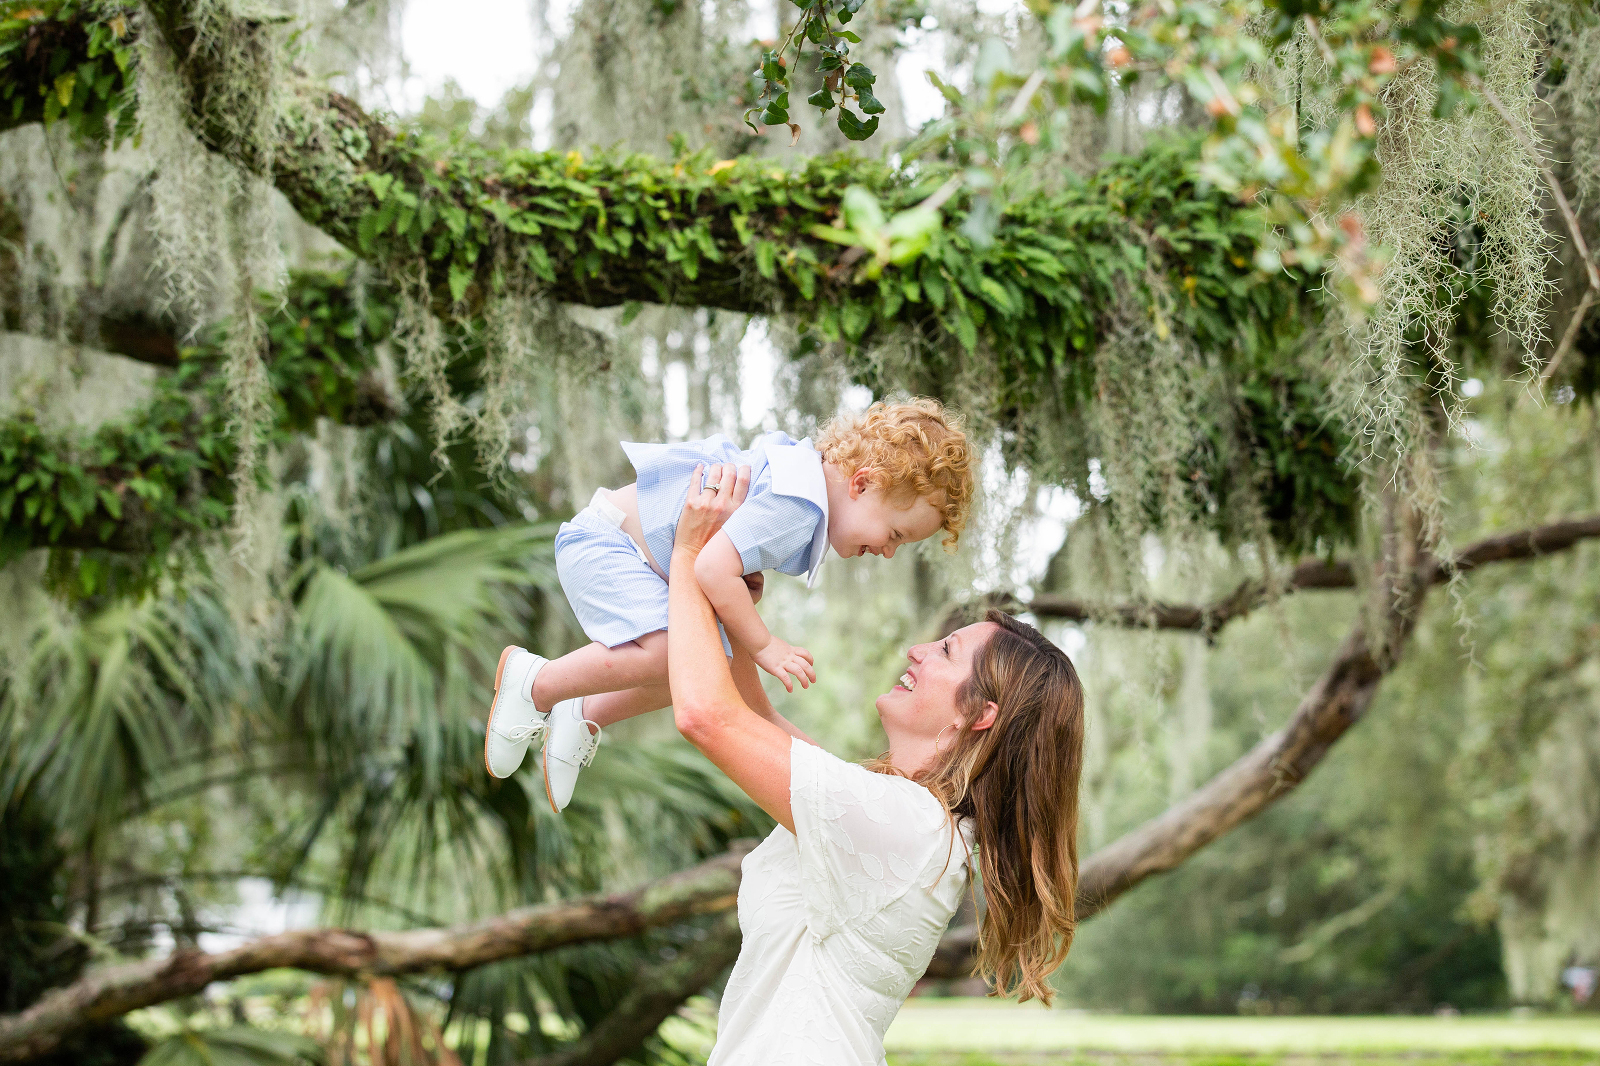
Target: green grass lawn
{"type": "Point", "coordinates": [953, 1032]}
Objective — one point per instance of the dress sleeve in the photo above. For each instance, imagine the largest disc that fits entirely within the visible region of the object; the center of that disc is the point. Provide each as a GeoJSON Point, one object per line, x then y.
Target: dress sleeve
{"type": "Point", "coordinates": [769, 530]}
{"type": "Point", "coordinates": [865, 839]}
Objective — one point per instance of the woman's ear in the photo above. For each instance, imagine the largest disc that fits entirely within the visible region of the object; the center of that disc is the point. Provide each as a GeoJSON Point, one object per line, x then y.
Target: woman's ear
{"type": "Point", "coordinates": [986, 717]}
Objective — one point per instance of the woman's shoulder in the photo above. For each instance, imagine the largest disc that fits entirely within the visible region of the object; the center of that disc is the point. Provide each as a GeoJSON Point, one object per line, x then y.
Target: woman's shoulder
{"type": "Point", "coordinates": [885, 798]}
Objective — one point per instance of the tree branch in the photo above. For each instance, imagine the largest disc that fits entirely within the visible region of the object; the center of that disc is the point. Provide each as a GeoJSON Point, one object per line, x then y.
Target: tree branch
{"type": "Point", "coordinates": [657, 992]}
{"type": "Point", "coordinates": [104, 994]}
{"type": "Point", "coordinates": [1201, 618]}
{"type": "Point", "coordinates": [1208, 618]}
{"type": "Point", "coordinates": [1266, 774]}
{"type": "Point", "coordinates": [736, 235]}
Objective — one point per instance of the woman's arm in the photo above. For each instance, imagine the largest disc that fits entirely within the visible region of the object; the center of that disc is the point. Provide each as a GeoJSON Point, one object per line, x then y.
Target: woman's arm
{"type": "Point", "coordinates": [706, 703]}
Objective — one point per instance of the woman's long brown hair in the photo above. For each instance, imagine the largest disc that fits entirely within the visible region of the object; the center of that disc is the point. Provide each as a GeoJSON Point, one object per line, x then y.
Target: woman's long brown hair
{"type": "Point", "coordinates": [1018, 782]}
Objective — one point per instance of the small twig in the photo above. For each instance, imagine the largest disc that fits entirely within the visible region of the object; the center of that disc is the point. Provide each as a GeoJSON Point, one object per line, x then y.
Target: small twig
{"type": "Point", "coordinates": [1020, 104]}
{"type": "Point", "coordinates": [1570, 337]}
{"type": "Point", "coordinates": [1568, 215]}
{"type": "Point", "coordinates": [1322, 44]}
{"type": "Point", "coordinates": [940, 195]}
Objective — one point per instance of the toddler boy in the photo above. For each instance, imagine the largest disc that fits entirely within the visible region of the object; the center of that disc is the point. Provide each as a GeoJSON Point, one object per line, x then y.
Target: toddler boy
{"type": "Point", "coordinates": [895, 475]}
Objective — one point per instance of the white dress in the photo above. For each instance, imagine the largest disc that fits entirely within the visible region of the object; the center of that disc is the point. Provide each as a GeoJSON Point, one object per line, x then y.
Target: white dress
{"type": "Point", "coordinates": [839, 917]}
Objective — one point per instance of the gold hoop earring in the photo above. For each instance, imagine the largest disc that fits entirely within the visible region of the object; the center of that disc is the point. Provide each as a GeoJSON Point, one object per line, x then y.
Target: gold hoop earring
{"type": "Point", "coordinates": [940, 737]}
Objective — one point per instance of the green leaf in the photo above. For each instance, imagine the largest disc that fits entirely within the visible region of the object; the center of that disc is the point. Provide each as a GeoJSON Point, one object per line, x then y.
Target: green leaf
{"type": "Point", "coordinates": [967, 332]}
{"type": "Point", "coordinates": [766, 259]}
{"type": "Point", "coordinates": [539, 260]}
{"type": "Point", "coordinates": [861, 209]}
{"type": "Point", "coordinates": [859, 76]}
{"type": "Point", "coordinates": [870, 105]}
{"type": "Point", "coordinates": [996, 293]}
{"type": "Point", "coordinates": [460, 278]}
{"type": "Point", "coordinates": [853, 128]}
{"type": "Point", "coordinates": [379, 184]}
{"type": "Point", "coordinates": [821, 98]}
{"type": "Point", "coordinates": [949, 91]}
{"type": "Point", "coordinates": [847, 35]}
{"type": "Point", "coordinates": [64, 86]}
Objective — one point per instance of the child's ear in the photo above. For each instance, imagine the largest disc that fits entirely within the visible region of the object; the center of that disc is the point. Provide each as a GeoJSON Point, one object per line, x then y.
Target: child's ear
{"type": "Point", "coordinates": [860, 481]}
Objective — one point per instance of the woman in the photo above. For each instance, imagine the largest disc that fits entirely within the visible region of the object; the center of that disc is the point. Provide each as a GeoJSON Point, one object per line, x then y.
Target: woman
{"type": "Point", "coordinates": [843, 905]}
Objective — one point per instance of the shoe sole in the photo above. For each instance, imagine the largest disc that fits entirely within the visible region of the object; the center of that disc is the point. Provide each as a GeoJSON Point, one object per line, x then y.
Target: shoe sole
{"type": "Point", "coordinates": [544, 764]}
{"type": "Point", "coordinates": [499, 672]}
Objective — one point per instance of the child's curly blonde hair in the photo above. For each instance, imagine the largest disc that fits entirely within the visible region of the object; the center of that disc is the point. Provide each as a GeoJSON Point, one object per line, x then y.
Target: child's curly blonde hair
{"type": "Point", "coordinates": [914, 450]}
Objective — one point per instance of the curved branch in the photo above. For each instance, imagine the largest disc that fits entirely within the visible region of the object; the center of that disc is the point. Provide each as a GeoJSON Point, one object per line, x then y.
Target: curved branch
{"type": "Point", "coordinates": [1201, 618]}
{"type": "Point", "coordinates": [657, 992]}
{"type": "Point", "coordinates": [1208, 618]}
{"type": "Point", "coordinates": [104, 994]}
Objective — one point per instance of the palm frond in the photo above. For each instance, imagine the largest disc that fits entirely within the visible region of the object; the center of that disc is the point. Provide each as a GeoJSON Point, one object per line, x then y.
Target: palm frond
{"type": "Point", "coordinates": [234, 1046]}
{"type": "Point", "coordinates": [97, 709]}
{"type": "Point", "coordinates": [381, 656]}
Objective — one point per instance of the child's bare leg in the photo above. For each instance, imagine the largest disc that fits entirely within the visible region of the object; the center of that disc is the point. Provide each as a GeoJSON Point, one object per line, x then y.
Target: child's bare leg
{"type": "Point", "coordinates": [596, 668]}
{"type": "Point", "coordinates": [609, 708]}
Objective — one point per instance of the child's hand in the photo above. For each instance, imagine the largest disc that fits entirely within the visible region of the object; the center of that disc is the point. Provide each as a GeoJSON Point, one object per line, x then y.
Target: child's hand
{"type": "Point", "coordinates": [780, 659]}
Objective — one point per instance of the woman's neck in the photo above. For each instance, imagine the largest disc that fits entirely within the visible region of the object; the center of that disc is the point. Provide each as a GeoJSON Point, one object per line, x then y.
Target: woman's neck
{"type": "Point", "coordinates": [912, 756]}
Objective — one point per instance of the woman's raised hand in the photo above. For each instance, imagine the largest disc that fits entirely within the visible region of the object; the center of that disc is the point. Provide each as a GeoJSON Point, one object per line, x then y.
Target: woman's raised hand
{"type": "Point", "coordinates": [713, 496]}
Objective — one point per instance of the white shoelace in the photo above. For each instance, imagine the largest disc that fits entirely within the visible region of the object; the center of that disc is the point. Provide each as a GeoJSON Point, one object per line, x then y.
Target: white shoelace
{"type": "Point", "coordinates": [519, 733]}
{"type": "Point", "coordinates": [591, 742]}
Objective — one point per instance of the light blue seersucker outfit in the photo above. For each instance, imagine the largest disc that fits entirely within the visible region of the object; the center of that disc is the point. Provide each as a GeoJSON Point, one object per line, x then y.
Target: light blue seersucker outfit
{"type": "Point", "coordinates": [782, 525]}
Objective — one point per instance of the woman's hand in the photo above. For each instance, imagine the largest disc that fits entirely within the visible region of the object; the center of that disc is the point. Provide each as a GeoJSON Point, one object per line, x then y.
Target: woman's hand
{"type": "Point", "coordinates": [708, 507]}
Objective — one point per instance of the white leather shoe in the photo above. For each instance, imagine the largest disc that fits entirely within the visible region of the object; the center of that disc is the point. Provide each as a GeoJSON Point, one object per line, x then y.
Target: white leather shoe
{"type": "Point", "coordinates": [569, 746]}
{"type": "Point", "coordinates": [513, 719]}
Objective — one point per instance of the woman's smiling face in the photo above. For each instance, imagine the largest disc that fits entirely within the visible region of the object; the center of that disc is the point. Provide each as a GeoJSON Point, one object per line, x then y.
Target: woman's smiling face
{"type": "Point", "coordinates": [923, 705]}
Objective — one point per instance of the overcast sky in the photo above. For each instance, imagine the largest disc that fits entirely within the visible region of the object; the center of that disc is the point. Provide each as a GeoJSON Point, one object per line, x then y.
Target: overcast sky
{"type": "Point", "coordinates": [495, 50]}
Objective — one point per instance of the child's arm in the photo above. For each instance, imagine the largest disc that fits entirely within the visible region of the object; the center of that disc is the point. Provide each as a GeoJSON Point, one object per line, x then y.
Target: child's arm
{"type": "Point", "coordinates": [720, 572]}
{"type": "Point", "coordinates": [747, 679]}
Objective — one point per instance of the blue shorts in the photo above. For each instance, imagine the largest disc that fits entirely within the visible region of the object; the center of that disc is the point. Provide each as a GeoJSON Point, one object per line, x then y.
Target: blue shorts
{"type": "Point", "coordinates": [612, 589]}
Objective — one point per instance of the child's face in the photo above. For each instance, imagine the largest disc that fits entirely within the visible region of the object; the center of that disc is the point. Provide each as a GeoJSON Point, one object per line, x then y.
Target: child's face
{"type": "Point", "coordinates": [869, 522]}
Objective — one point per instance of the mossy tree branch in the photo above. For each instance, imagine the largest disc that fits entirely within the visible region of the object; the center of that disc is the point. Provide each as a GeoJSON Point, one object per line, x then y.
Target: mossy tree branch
{"type": "Point", "coordinates": [1281, 761]}
{"type": "Point", "coordinates": [165, 471]}
{"type": "Point", "coordinates": [735, 234]}
{"type": "Point", "coordinates": [1030, 307]}
{"type": "Point", "coordinates": [112, 992]}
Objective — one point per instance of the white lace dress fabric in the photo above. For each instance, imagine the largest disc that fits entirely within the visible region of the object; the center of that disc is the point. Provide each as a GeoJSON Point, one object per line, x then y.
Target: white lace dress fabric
{"type": "Point", "coordinates": [839, 917]}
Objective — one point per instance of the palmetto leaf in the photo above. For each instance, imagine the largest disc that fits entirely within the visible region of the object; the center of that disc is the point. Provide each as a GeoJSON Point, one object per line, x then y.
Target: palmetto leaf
{"type": "Point", "coordinates": [234, 1046]}
{"type": "Point", "coordinates": [95, 711]}
{"type": "Point", "coordinates": [381, 656]}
